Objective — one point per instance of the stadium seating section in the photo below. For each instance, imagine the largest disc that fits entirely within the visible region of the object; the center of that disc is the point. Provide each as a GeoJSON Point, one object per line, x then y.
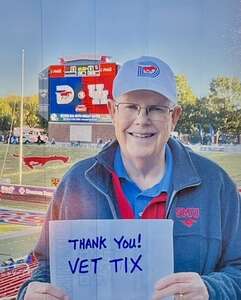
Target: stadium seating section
{"type": "Point", "coordinates": [12, 278]}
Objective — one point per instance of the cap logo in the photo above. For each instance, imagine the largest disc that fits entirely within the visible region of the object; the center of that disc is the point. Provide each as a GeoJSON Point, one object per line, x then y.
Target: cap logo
{"type": "Point", "coordinates": [148, 69]}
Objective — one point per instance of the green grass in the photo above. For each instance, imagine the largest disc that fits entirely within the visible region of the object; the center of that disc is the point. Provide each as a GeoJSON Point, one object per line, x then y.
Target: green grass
{"type": "Point", "coordinates": [8, 204]}
{"type": "Point", "coordinates": [41, 176]}
{"type": "Point", "coordinates": [17, 246]}
{"type": "Point", "coordinates": [9, 228]}
{"type": "Point", "coordinates": [230, 162]}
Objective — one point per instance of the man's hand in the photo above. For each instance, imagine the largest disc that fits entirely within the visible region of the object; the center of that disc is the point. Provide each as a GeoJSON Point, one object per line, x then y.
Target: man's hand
{"type": "Point", "coordinates": [44, 291]}
{"type": "Point", "coordinates": [184, 286]}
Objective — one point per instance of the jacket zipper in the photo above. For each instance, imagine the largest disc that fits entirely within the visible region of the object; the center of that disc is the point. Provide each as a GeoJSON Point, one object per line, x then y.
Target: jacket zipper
{"type": "Point", "coordinates": [170, 203]}
{"type": "Point", "coordinates": [174, 194]}
{"type": "Point", "coordinates": [111, 205]}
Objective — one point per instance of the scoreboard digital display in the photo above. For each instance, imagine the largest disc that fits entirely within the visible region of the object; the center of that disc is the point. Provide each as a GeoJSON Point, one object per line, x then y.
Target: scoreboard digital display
{"type": "Point", "coordinates": [78, 93]}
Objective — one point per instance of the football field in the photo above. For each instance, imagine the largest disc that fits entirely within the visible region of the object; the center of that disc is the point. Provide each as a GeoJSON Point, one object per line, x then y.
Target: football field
{"type": "Point", "coordinates": [20, 225]}
{"type": "Point", "coordinates": [20, 222]}
{"type": "Point", "coordinates": [39, 175]}
{"type": "Point", "coordinates": [42, 175]}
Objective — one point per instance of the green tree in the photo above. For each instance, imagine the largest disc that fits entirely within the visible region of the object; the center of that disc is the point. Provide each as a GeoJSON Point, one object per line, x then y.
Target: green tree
{"type": "Point", "coordinates": [14, 104]}
{"type": "Point", "coordinates": [228, 88]}
{"type": "Point", "coordinates": [5, 116]}
{"type": "Point", "coordinates": [184, 91]}
{"type": "Point", "coordinates": [31, 108]}
{"type": "Point", "coordinates": [188, 102]}
{"type": "Point", "coordinates": [224, 104]}
{"type": "Point", "coordinates": [11, 111]}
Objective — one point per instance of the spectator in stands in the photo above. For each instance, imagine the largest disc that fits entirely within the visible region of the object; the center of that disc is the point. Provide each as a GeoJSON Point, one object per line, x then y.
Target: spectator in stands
{"type": "Point", "coordinates": [6, 139]}
{"type": "Point", "coordinates": [53, 141]}
{"type": "Point", "coordinates": [146, 174]}
{"type": "Point", "coordinates": [30, 258]}
{"type": "Point", "coordinates": [3, 266]}
{"type": "Point", "coordinates": [39, 140]}
{"type": "Point", "coordinates": [99, 142]}
{"type": "Point", "coordinates": [10, 262]}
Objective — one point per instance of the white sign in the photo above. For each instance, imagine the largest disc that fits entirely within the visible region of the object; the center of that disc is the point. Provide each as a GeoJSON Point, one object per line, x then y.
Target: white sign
{"type": "Point", "coordinates": [80, 133]}
{"type": "Point", "coordinates": [110, 259]}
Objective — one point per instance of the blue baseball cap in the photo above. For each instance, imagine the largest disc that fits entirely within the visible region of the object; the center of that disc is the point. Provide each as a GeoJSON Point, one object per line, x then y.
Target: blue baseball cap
{"type": "Point", "coordinates": [145, 73]}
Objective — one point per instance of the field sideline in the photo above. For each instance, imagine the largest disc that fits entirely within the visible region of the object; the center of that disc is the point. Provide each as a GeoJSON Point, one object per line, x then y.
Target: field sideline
{"type": "Point", "coordinates": [230, 162]}
{"type": "Point", "coordinates": [18, 246]}
{"type": "Point", "coordinates": [42, 176]}
{"type": "Point", "coordinates": [39, 175]}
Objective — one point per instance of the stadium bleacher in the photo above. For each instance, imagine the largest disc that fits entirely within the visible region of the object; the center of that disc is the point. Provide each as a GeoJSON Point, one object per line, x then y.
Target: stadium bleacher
{"type": "Point", "coordinates": [11, 279]}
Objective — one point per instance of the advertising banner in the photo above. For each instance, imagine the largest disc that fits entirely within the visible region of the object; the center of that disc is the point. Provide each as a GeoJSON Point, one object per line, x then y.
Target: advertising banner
{"type": "Point", "coordinates": [56, 71]}
{"type": "Point", "coordinates": [25, 190]}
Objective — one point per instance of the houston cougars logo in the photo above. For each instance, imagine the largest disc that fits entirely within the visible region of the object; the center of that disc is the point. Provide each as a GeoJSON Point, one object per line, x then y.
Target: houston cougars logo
{"type": "Point", "coordinates": [32, 161]}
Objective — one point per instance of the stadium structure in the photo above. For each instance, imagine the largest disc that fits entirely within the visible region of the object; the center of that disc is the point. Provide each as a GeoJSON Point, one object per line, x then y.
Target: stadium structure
{"type": "Point", "coordinates": [73, 98]}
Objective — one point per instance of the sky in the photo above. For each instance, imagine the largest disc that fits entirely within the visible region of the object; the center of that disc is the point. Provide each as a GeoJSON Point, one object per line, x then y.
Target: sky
{"type": "Point", "coordinates": [198, 38]}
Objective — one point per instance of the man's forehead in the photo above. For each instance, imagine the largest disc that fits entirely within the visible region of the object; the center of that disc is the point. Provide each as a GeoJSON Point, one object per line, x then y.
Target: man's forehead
{"type": "Point", "coordinates": [143, 95]}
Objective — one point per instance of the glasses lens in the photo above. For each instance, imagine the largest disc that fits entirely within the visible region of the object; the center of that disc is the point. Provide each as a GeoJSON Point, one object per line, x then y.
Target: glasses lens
{"type": "Point", "coordinates": [131, 111]}
{"type": "Point", "coordinates": [157, 113]}
{"type": "Point", "coordinates": [128, 110]}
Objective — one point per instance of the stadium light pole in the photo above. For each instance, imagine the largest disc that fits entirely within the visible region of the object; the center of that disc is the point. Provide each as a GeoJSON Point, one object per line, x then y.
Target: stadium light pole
{"type": "Point", "coordinates": [21, 123]}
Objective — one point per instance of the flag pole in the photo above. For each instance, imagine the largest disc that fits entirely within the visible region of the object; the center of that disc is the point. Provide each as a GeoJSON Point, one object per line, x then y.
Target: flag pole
{"type": "Point", "coordinates": [21, 123]}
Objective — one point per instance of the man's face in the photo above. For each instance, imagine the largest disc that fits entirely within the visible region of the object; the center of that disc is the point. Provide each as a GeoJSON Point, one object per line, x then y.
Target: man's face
{"type": "Point", "coordinates": [142, 135]}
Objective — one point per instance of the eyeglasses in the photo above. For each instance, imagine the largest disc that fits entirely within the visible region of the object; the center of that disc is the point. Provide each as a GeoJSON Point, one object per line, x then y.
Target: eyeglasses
{"type": "Point", "coordinates": [132, 110]}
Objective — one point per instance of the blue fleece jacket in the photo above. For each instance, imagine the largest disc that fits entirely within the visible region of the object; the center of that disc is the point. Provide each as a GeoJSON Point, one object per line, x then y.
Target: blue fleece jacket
{"type": "Point", "coordinates": [204, 205]}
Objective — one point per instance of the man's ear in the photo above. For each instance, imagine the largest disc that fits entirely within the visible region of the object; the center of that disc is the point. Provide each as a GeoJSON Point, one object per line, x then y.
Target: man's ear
{"type": "Point", "coordinates": [176, 114]}
{"type": "Point", "coordinates": [111, 108]}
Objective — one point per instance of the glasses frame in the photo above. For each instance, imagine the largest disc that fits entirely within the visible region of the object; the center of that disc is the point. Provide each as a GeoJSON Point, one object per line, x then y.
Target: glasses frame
{"type": "Point", "coordinates": [147, 108]}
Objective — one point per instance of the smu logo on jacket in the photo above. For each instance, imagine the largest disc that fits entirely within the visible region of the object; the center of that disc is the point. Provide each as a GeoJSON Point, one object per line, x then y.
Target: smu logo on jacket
{"type": "Point", "coordinates": [188, 215]}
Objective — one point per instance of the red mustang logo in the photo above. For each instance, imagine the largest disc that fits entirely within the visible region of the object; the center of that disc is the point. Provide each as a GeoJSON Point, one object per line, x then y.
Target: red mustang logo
{"type": "Point", "coordinates": [65, 93]}
{"type": "Point", "coordinates": [32, 161]}
{"type": "Point", "coordinates": [149, 69]}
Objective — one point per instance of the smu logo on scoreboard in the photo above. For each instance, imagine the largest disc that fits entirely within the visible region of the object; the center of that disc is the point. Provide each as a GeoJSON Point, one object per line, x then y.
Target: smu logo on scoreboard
{"type": "Point", "coordinates": [64, 94]}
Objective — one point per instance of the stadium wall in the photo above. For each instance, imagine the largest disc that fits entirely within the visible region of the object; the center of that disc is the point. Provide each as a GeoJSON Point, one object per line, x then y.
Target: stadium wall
{"type": "Point", "coordinates": [90, 133]}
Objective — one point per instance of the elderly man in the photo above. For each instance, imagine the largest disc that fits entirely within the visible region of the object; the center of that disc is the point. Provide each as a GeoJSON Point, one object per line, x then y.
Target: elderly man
{"type": "Point", "coordinates": [147, 174]}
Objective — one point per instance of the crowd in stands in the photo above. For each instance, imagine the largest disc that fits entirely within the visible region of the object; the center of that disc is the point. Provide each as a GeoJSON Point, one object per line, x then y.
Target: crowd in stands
{"type": "Point", "coordinates": [13, 272]}
{"type": "Point", "coordinates": [12, 263]}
